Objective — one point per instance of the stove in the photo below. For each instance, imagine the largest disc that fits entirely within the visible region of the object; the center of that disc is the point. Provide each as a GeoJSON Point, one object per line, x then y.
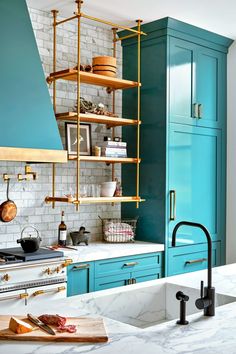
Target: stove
{"type": "Point", "coordinates": [16, 255]}
{"type": "Point", "coordinates": [27, 278]}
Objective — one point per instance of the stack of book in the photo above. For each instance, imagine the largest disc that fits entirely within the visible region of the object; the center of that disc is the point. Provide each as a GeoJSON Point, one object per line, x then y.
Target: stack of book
{"type": "Point", "coordinates": [114, 148]}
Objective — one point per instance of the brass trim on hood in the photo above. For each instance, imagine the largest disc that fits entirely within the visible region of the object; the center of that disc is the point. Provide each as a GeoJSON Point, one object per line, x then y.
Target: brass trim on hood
{"type": "Point", "coordinates": [32, 155]}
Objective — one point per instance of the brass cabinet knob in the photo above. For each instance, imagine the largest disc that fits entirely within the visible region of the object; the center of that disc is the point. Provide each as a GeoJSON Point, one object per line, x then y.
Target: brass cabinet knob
{"type": "Point", "coordinates": [6, 277]}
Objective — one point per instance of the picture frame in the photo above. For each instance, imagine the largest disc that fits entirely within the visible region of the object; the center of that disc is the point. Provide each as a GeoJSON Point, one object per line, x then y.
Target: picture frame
{"type": "Point", "coordinates": [71, 139]}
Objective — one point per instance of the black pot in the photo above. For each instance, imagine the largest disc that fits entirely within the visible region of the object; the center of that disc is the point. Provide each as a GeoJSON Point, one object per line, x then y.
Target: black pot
{"type": "Point", "coordinates": [30, 244]}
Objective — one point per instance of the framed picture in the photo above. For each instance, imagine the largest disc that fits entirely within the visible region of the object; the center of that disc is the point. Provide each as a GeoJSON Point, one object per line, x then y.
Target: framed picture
{"type": "Point", "coordinates": [85, 139]}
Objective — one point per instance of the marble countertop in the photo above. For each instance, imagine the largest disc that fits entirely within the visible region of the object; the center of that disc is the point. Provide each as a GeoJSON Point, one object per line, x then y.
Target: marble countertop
{"type": "Point", "coordinates": [202, 335]}
{"type": "Point", "coordinates": [102, 250]}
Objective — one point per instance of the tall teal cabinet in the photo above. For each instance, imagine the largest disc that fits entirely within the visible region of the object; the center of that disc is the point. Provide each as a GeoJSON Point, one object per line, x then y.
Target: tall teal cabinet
{"type": "Point", "coordinates": [183, 139]}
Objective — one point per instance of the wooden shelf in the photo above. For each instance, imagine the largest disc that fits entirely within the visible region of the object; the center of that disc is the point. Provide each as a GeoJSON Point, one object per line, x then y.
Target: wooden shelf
{"type": "Point", "coordinates": [95, 118]}
{"type": "Point", "coordinates": [93, 79]}
{"type": "Point", "coordinates": [106, 159]}
{"type": "Point", "coordinates": [89, 200]}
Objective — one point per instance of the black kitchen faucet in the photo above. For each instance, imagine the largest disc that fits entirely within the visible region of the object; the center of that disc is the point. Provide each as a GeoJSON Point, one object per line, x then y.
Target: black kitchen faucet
{"type": "Point", "coordinates": [207, 300]}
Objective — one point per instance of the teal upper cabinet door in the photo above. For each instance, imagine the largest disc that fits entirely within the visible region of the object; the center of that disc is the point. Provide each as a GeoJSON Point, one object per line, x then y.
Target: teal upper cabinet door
{"type": "Point", "coordinates": [182, 71]}
{"type": "Point", "coordinates": [195, 181]}
{"type": "Point", "coordinates": [197, 79]}
{"type": "Point", "coordinates": [210, 83]}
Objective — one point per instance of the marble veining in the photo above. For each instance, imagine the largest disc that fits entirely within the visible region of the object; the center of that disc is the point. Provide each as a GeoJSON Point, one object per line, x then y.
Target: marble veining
{"type": "Point", "coordinates": [209, 335]}
{"type": "Point", "coordinates": [102, 250]}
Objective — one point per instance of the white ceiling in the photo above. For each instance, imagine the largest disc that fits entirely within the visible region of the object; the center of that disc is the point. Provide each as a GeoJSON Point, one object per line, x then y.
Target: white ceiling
{"type": "Point", "coordinates": [215, 15]}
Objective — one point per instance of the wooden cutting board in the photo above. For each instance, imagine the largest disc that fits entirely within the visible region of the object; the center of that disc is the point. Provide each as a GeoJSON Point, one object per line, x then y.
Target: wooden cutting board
{"type": "Point", "coordinates": [90, 330]}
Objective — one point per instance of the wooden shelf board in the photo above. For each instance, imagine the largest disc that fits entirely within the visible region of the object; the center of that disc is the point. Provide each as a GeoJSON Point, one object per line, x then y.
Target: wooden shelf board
{"type": "Point", "coordinates": [105, 159]}
{"type": "Point", "coordinates": [88, 200]}
{"type": "Point", "coordinates": [95, 118]}
{"type": "Point", "coordinates": [93, 79]}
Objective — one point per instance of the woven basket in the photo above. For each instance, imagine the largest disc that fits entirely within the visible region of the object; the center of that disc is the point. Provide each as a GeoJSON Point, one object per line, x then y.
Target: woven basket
{"type": "Point", "coordinates": [119, 230]}
{"type": "Point", "coordinates": [104, 65]}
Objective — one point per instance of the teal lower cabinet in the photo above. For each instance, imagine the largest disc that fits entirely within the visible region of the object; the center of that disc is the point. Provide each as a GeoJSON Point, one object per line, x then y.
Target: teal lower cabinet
{"type": "Point", "coordinates": [80, 278]}
{"type": "Point", "coordinates": [113, 281]}
{"type": "Point", "coordinates": [186, 259]}
{"type": "Point", "coordinates": [145, 275]}
{"type": "Point", "coordinates": [111, 273]}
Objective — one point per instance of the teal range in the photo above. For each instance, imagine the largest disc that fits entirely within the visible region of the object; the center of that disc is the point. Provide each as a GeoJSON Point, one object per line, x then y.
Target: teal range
{"type": "Point", "coordinates": [183, 139]}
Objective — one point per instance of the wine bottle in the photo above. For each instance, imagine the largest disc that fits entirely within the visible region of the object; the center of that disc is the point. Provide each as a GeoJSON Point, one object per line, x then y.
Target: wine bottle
{"type": "Point", "coordinates": [62, 231]}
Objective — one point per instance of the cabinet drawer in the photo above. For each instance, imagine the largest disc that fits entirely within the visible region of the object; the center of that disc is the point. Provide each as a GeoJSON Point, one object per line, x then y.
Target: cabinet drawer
{"type": "Point", "coordinates": [146, 275]}
{"type": "Point", "coordinates": [191, 258]}
{"type": "Point", "coordinates": [112, 281]}
{"type": "Point", "coordinates": [127, 264]}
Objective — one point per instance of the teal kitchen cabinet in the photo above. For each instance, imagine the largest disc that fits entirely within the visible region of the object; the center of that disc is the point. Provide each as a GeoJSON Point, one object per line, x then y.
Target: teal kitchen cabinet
{"type": "Point", "coordinates": [80, 278]}
{"type": "Point", "coordinates": [183, 138]}
{"type": "Point", "coordinates": [183, 260]}
{"type": "Point", "coordinates": [196, 84]}
{"type": "Point", "coordinates": [195, 181]}
{"type": "Point", "coordinates": [111, 273]}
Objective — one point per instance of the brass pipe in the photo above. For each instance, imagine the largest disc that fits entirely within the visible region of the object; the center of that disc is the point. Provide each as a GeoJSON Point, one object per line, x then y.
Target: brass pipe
{"type": "Point", "coordinates": [126, 37]}
{"type": "Point", "coordinates": [112, 24]}
{"type": "Point", "coordinates": [66, 20]}
{"type": "Point", "coordinates": [79, 3]}
{"type": "Point", "coordinates": [138, 110]}
{"type": "Point", "coordinates": [54, 12]}
{"type": "Point", "coordinates": [114, 31]}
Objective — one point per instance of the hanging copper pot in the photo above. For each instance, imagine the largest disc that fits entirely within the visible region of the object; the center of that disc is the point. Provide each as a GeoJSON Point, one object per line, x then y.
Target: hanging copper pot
{"type": "Point", "coordinates": [8, 209]}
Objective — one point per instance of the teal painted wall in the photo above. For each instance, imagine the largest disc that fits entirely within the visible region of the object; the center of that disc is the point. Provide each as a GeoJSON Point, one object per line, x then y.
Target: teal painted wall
{"type": "Point", "coordinates": [26, 113]}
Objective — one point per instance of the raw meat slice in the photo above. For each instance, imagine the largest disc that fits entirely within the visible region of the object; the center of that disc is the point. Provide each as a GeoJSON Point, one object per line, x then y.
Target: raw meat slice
{"type": "Point", "coordinates": [55, 320]}
{"type": "Point", "coordinates": [67, 328]}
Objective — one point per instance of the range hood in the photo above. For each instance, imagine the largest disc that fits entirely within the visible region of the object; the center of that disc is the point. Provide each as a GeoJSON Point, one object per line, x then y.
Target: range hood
{"type": "Point", "coordinates": [28, 128]}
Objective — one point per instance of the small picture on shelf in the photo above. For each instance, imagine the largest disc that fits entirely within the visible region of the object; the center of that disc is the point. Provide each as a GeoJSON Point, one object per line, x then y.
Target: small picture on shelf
{"type": "Point", "coordinates": [85, 139]}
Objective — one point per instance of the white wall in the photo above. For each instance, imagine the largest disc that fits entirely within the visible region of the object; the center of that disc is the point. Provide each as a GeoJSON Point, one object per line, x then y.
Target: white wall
{"type": "Point", "coordinates": [231, 158]}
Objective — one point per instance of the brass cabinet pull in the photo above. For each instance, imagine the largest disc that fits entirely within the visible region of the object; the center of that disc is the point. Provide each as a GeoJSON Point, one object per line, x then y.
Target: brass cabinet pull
{"type": "Point", "coordinates": [12, 297]}
{"type": "Point", "coordinates": [42, 292]}
{"type": "Point", "coordinates": [195, 110]}
{"type": "Point", "coordinates": [172, 205]}
{"type": "Point", "coordinates": [200, 108]}
{"type": "Point", "coordinates": [200, 260]}
{"type": "Point", "coordinates": [130, 264]}
{"type": "Point", "coordinates": [81, 266]}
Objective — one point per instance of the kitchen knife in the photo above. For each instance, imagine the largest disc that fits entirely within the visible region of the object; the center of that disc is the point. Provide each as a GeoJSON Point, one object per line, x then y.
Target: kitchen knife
{"type": "Point", "coordinates": [40, 324]}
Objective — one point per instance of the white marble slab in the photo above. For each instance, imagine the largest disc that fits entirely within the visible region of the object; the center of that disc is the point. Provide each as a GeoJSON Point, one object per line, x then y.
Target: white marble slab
{"type": "Point", "coordinates": [102, 250]}
{"type": "Point", "coordinates": [206, 335]}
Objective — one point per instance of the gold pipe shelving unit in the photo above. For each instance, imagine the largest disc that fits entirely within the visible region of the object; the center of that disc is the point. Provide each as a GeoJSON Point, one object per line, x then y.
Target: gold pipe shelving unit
{"type": "Point", "coordinates": [112, 84]}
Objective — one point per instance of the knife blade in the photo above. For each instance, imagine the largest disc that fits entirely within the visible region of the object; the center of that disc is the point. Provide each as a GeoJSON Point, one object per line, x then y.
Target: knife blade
{"type": "Point", "coordinates": [40, 324]}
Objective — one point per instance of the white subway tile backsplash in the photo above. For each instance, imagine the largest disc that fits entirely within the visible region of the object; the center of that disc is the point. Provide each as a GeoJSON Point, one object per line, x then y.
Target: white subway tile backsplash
{"type": "Point", "coordinates": [29, 196]}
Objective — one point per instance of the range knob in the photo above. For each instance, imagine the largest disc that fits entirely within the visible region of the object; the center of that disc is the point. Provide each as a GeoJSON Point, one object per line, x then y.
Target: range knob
{"type": "Point", "coordinates": [6, 277]}
{"type": "Point", "coordinates": [58, 269]}
{"type": "Point", "coordinates": [48, 271]}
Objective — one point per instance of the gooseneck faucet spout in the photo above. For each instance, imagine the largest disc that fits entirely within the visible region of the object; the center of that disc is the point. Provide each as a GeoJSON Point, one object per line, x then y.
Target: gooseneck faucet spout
{"type": "Point", "coordinates": [207, 299]}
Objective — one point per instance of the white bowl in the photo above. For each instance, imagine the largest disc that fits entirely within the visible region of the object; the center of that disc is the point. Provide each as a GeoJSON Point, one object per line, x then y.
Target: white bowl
{"type": "Point", "coordinates": [108, 189]}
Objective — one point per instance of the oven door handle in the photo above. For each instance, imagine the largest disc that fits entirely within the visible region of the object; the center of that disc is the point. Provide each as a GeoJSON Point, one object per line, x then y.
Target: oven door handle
{"type": "Point", "coordinates": [12, 297]}
{"type": "Point", "coordinates": [42, 292]}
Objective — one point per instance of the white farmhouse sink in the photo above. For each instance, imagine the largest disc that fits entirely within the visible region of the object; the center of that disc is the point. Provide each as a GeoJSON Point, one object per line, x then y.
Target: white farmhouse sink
{"type": "Point", "coordinates": [149, 306]}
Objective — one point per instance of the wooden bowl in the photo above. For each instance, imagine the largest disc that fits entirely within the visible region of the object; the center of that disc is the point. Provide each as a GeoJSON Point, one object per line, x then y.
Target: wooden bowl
{"type": "Point", "coordinates": [104, 65]}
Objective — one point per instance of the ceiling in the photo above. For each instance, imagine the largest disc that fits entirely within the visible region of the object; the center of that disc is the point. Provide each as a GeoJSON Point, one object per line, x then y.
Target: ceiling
{"type": "Point", "coordinates": [215, 15]}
